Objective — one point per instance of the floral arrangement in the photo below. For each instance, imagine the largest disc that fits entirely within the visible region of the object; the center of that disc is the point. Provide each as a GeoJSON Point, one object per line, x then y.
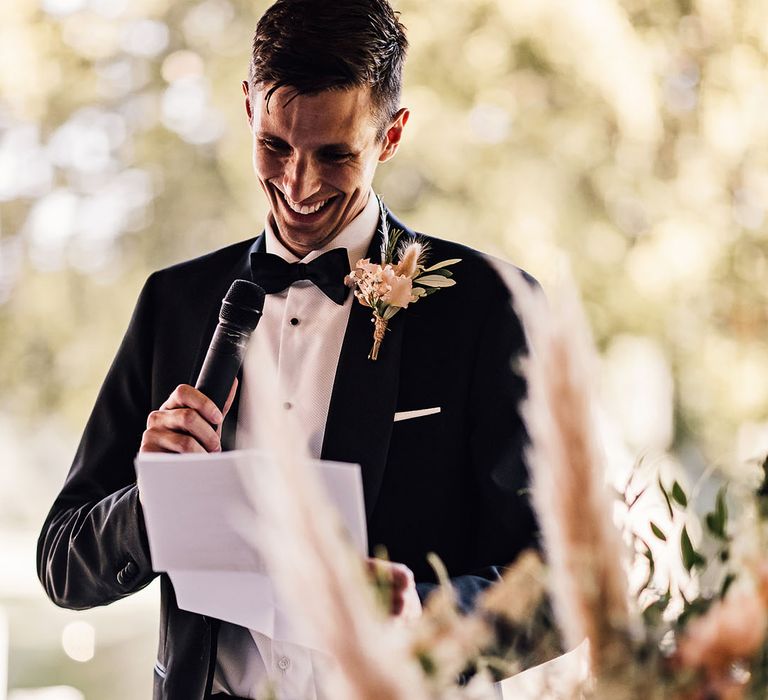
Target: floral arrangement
{"type": "Point", "coordinates": [693, 631]}
{"type": "Point", "coordinates": [400, 279]}
{"type": "Point", "coordinates": [696, 631]}
{"type": "Point", "coordinates": [707, 625]}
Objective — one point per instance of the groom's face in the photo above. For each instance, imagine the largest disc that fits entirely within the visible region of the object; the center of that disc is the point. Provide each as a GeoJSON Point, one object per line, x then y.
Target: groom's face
{"type": "Point", "coordinates": [315, 157]}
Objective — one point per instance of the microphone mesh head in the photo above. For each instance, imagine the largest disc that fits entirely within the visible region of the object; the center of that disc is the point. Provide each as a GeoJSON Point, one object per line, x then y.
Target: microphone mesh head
{"type": "Point", "coordinates": [242, 306]}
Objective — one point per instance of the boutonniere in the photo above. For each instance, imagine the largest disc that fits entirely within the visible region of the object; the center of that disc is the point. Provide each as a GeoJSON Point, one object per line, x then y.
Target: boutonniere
{"type": "Point", "coordinates": [400, 279]}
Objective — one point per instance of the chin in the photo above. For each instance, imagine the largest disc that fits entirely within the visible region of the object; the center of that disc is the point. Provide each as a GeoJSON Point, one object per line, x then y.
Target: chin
{"type": "Point", "coordinates": [309, 237]}
{"type": "Point", "coordinates": [305, 237]}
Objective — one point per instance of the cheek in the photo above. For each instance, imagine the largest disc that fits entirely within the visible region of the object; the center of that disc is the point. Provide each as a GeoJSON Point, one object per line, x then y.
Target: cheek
{"type": "Point", "coordinates": [345, 178]}
{"type": "Point", "coordinates": [266, 165]}
{"type": "Point", "coordinates": [368, 167]}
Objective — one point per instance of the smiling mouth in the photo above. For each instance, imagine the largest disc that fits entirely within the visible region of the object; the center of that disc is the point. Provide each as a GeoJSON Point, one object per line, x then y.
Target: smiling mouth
{"type": "Point", "coordinates": [304, 209]}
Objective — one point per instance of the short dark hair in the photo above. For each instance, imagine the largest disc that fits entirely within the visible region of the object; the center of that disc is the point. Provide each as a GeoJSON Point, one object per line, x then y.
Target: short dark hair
{"type": "Point", "coordinates": [316, 45]}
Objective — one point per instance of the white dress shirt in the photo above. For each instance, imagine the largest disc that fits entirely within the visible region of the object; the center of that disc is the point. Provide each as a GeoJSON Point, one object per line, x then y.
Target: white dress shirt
{"type": "Point", "coordinates": [304, 331]}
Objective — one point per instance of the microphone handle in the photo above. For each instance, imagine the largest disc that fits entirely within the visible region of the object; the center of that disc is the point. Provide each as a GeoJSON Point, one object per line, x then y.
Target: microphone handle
{"type": "Point", "coordinates": [222, 363]}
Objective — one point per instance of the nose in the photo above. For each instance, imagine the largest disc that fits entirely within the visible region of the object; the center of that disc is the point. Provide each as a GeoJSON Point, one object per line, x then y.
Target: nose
{"type": "Point", "coordinates": [300, 179]}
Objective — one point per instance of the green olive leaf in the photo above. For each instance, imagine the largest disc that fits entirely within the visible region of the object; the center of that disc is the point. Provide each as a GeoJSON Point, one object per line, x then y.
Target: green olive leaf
{"type": "Point", "coordinates": [666, 499]}
{"type": "Point", "coordinates": [445, 263]}
{"type": "Point", "coordinates": [435, 281]}
{"type": "Point", "coordinates": [657, 531]}
{"type": "Point", "coordinates": [691, 557]}
{"type": "Point", "coordinates": [678, 495]}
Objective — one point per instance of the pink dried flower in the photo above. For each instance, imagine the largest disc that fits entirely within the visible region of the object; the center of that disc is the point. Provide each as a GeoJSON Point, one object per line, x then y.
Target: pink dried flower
{"type": "Point", "coordinates": [368, 277]}
{"type": "Point", "coordinates": [398, 288]}
{"type": "Point", "coordinates": [377, 283]}
{"type": "Point", "coordinates": [761, 574]}
{"type": "Point", "coordinates": [732, 629]}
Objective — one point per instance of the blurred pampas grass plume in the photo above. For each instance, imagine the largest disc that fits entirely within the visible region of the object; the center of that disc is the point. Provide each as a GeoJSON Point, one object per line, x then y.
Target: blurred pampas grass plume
{"type": "Point", "coordinates": [584, 550]}
{"type": "Point", "coordinates": [318, 575]}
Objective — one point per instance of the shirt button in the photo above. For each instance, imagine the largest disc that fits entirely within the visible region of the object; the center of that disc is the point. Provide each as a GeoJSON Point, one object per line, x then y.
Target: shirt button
{"type": "Point", "coordinates": [127, 573]}
{"type": "Point", "coordinates": [287, 405]}
{"type": "Point", "coordinates": [283, 663]}
{"type": "Point", "coordinates": [295, 321]}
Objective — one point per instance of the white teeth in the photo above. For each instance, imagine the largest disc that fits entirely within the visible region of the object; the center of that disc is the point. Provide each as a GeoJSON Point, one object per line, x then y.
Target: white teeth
{"type": "Point", "coordinates": [302, 209]}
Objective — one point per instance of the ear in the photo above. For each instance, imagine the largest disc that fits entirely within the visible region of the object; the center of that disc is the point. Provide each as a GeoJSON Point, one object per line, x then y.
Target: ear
{"type": "Point", "coordinates": [393, 134]}
{"type": "Point", "coordinates": [248, 108]}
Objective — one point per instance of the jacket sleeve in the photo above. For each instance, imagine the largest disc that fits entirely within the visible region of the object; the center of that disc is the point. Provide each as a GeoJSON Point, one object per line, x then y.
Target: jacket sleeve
{"type": "Point", "coordinates": [93, 547]}
{"type": "Point", "coordinates": [504, 521]}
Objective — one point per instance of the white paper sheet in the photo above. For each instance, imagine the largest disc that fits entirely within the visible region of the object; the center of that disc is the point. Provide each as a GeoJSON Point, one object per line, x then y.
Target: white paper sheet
{"type": "Point", "coordinates": [195, 507]}
{"type": "Point", "coordinates": [563, 677]}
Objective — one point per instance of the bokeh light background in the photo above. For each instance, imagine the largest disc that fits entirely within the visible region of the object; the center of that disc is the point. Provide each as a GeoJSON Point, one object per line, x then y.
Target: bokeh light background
{"type": "Point", "coordinates": [630, 137]}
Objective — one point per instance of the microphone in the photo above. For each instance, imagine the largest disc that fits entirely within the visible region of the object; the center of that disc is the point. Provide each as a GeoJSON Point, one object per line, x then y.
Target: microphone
{"type": "Point", "coordinates": [239, 315]}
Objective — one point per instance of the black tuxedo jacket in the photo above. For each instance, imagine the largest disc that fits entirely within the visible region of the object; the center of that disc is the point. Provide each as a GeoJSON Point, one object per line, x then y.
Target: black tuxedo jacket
{"type": "Point", "coordinates": [449, 482]}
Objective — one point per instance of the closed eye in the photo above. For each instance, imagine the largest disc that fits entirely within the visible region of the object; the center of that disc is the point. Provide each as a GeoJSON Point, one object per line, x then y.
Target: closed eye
{"type": "Point", "coordinates": [275, 145]}
{"type": "Point", "coordinates": [329, 154]}
{"type": "Point", "coordinates": [336, 156]}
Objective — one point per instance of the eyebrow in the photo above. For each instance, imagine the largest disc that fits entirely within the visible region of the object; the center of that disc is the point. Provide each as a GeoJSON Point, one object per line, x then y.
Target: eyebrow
{"type": "Point", "coordinates": [324, 147]}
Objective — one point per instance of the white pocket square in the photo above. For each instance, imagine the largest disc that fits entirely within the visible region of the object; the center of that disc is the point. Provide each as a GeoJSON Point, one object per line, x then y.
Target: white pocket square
{"type": "Point", "coordinates": [406, 415]}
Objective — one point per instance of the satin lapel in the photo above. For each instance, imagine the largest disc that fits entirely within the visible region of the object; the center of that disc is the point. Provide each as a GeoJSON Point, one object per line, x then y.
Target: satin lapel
{"type": "Point", "coordinates": [241, 271]}
{"type": "Point", "coordinates": [364, 397]}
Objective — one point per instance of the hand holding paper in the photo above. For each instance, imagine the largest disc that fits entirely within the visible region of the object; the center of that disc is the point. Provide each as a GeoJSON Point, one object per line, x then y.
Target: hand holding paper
{"type": "Point", "coordinates": [197, 514]}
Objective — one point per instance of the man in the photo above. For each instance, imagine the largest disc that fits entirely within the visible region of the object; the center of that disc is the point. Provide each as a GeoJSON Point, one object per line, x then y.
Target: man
{"type": "Point", "coordinates": [440, 442]}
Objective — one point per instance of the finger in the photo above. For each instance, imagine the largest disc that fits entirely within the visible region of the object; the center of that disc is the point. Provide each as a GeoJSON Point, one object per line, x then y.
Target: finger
{"type": "Point", "coordinates": [403, 587]}
{"type": "Point", "coordinates": [187, 421]}
{"type": "Point", "coordinates": [230, 398]}
{"type": "Point", "coordinates": [186, 396]}
{"type": "Point", "coordinates": [227, 405]}
{"type": "Point", "coordinates": [412, 609]}
{"type": "Point", "coordinates": [155, 440]}
{"type": "Point", "coordinates": [402, 577]}
{"type": "Point", "coordinates": [399, 601]}
{"type": "Point", "coordinates": [395, 581]}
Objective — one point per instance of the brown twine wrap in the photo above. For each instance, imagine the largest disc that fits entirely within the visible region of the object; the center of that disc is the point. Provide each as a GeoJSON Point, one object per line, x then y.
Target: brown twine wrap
{"type": "Point", "coordinates": [379, 329]}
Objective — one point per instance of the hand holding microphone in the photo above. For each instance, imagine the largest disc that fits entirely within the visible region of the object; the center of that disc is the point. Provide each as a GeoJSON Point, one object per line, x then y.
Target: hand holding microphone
{"type": "Point", "coordinates": [190, 419]}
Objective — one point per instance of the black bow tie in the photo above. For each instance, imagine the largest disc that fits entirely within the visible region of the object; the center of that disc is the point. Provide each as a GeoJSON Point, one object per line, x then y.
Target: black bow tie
{"type": "Point", "coordinates": [326, 271]}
